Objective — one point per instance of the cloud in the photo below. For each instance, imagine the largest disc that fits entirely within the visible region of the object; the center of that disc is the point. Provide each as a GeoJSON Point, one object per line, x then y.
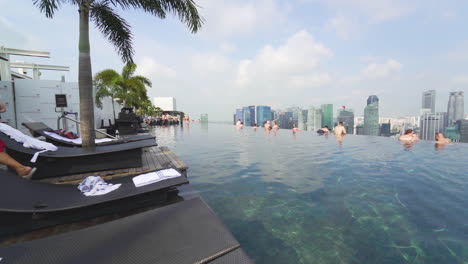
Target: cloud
{"type": "Point", "coordinates": [354, 17]}
{"type": "Point", "coordinates": [150, 68]}
{"type": "Point", "coordinates": [344, 27]}
{"type": "Point", "coordinates": [228, 18]}
{"type": "Point", "coordinates": [460, 79]}
{"type": "Point", "coordinates": [296, 63]}
{"type": "Point", "coordinates": [380, 71]}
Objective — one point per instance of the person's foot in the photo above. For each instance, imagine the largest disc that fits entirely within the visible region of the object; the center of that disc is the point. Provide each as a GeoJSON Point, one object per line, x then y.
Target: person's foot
{"type": "Point", "coordinates": [25, 172]}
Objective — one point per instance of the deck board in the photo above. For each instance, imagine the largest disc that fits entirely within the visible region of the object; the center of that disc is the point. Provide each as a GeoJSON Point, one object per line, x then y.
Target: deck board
{"type": "Point", "coordinates": [154, 158]}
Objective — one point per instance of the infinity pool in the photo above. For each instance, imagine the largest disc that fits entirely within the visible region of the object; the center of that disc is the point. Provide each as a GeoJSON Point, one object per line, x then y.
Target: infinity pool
{"type": "Point", "coordinates": [305, 198]}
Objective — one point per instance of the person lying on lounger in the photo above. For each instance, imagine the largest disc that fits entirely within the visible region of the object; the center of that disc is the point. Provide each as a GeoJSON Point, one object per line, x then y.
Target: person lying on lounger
{"type": "Point", "coordinates": [23, 171]}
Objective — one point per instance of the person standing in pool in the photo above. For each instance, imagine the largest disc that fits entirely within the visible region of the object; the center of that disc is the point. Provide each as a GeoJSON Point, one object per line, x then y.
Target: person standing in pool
{"type": "Point", "coordinates": [275, 125]}
{"type": "Point", "coordinates": [409, 136]}
{"type": "Point", "coordinates": [324, 130]}
{"type": "Point", "coordinates": [295, 129]}
{"type": "Point", "coordinates": [339, 129]}
{"type": "Point", "coordinates": [440, 139]}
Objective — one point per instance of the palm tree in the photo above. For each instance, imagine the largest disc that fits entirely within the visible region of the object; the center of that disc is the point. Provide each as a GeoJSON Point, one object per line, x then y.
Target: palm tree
{"type": "Point", "coordinates": [117, 31]}
{"type": "Point", "coordinates": [125, 88]}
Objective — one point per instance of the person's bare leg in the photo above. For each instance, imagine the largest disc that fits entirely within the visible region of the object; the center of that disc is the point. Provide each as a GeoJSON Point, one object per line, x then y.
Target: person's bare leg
{"type": "Point", "coordinates": [9, 161]}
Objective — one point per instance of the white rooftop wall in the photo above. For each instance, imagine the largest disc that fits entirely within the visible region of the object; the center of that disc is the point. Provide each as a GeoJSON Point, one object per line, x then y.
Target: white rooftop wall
{"type": "Point", "coordinates": [165, 103]}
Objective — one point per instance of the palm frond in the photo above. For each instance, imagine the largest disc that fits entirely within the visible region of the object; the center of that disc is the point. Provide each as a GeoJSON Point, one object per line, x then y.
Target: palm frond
{"type": "Point", "coordinates": [144, 80]}
{"type": "Point", "coordinates": [115, 28]}
{"type": "Point", "coordinates": [48, 7]}
{"type": "Point", "coordinates": [128, 70]}
{"type": "Point", "coordinates": [185, 9]}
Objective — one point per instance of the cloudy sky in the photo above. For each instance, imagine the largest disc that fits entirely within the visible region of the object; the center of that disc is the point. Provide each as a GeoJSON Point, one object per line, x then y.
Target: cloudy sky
{"type": "Point", "coordinates": [270, 52]}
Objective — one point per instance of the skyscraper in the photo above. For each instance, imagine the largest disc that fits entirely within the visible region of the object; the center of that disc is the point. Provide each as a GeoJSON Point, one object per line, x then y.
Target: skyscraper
{"type": "Point", "coordinates": [463, 130]}
{"type": "Point", "coordinates": [428, 101]}
{"type": "Point", "coordinates": [249, 115]}
{"type": "Point", "coordinates": [347, 117]}
{"type": "Point", "coordinates": [371, 116]}
{"type": "Point", "coordinates": [302, 119]}
{"type": "Point", "coordinates": [314, 119]}
{"type": "Point", "coordinates": [455, 107]}
{"type": "Point", "coordinates": [431, 124]}
{"type": "Point", "coordinates": [239, 115]}
{"type": "Point", "coordinates": [263, 114]}
{"type": "Point", "coordinates": [327, 115]}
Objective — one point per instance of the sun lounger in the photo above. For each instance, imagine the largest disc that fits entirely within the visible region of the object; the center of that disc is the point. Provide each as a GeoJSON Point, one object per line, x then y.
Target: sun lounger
{"type": "Point", "coordinates": [67, 161]}
{"type": "Point", "coordinates": [20, 195]}
{"type": "Point", "coordinates": [185, 232]}
{"type": "Point", "coordinates": [40, 129]}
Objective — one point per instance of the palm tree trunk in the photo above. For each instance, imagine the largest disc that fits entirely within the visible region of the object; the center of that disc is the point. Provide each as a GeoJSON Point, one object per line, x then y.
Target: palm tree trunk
{"type": "Point", "coordinates": [113, 107]}
{"type": "Point", "coordinates": [85, 80]}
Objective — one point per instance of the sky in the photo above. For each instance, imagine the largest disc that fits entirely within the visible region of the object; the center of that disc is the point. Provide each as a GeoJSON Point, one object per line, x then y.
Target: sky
{"type": "Point", "coordinates": [268, 52]}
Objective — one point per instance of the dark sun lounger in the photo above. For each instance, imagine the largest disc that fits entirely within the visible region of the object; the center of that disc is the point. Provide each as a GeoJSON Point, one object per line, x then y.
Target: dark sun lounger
{"type": "Point", "coordinates": [67, 161]}
{"type": "Point", "coordinates": [37, 129]}
{"type": "Point", "coordinates": [181, 233]}
{"type": "Point", "coordinates": [18, 195]}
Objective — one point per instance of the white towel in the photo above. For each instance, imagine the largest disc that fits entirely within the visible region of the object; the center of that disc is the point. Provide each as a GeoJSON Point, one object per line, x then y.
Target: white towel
{"type": "Point", "coordinates": [28, 142]}
{"type": "Point", "coordinates": [95, 185]}
{"type": "Point", "coordinates": [156, 176]}
{"type": "Point", "coordinates": [76, 140]}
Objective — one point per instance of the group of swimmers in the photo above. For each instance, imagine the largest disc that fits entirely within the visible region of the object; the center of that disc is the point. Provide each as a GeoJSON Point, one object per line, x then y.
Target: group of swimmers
{"type": "Point", "coordinates": [268, 125]}
{"type": "Point", "coordinates": [410, 136]}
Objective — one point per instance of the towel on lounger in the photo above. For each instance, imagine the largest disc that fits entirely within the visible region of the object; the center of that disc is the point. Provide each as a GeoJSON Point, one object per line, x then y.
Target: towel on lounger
{"type": "Point", "coordinates": [156, 176]}
{"type": "Point", "coordinates": [28, 142]}
{"type": "Point", "coordinates": [95, 185]}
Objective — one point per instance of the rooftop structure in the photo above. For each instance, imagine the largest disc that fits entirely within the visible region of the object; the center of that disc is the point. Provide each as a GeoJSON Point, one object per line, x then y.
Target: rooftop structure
{"type": "Point", "coordinates": [6, 65]}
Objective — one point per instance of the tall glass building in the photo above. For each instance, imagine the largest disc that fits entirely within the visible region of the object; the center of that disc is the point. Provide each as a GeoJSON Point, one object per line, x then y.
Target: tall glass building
{"type": "Point", "coordinates": [314, 119]}
{"type": "Point", "coordinates": [239, 115]}
{"type": "Point", "coordinates": [263, 114]}
{"type": "Point", "coordinates": [455, 107]}
{"type": "Point", "coordinates": [371, 116]}
{"type": "Point", "coordinates": [249, 115]}
{"type": "Point", "coordinates": [327, 115]}
{"type": "Point", "coordinates": [431, 124]}
{"type": "Point", "coordinates": [302, 119]}
{"type": "Point", "coordinates": [428, 101]}
{"type": "Point", "coordinates": [347, 117]}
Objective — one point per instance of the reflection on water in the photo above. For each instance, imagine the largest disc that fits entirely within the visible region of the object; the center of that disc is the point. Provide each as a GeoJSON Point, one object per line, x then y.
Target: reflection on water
{"type": "Point", "coordinates": [308, 199]}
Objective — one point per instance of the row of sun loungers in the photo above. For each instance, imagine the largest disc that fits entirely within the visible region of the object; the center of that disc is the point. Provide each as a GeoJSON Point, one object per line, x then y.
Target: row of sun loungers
{"type": "Point", "coordinates": [184, 232]}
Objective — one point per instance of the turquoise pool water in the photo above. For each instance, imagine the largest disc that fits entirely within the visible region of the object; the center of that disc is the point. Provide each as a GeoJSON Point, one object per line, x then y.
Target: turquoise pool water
{"type": "Point", "coordinates": [311, 199]}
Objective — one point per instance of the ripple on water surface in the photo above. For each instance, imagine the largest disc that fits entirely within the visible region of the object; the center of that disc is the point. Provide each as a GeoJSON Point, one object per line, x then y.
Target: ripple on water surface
{"type": "Point", "coordinates": [311, 199]}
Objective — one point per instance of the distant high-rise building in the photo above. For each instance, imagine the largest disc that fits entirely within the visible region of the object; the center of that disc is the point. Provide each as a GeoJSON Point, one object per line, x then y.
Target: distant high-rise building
{"type": "Point", "coordinates": [385, 129]}
{"type": "Point", "coordinates": [431, 124]}
{"type": "Point", "coordinates": [463, 130]}
{"type": "Point", "coordinates": [347, 117]}
{"type": "Point", "coordinates": [455, 107]}
{"type": "Point", "coordinates": [239, 115]}
{"type": "Point", "coordinates": [204, 118]}
{"type": "Point", "coordinates": [428, 101]}
{"type": "Point", "coordinates": [285, 120]}
{"type": "Point", "coordinates": [249, 115]}
{"type": "Point", "coordinates": [302, 119]}
{"type": "Point", "coordinates": [360, 130]}
{"type": "Point", "coordinates": [327, 115]}
{"type": "Point", "coordinates": [234, 119]}
{"type": "Point", "coordinates": [453, 132]}
{"type": "Point", "coordinates": [314, 119]}
{"type": "Point", "coordinates": [371, 116]}
{"type": "Point", "coordinates": [263, 114]}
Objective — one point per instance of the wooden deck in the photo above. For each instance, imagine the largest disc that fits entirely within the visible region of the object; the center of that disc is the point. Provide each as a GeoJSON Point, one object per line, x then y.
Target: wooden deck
{"type": "Point", "coordinates": [154, 158]}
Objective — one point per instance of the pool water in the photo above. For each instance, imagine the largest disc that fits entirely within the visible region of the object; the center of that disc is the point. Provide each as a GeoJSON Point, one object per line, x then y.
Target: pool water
{"type": "Point", "coordinates": [304, 198]}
